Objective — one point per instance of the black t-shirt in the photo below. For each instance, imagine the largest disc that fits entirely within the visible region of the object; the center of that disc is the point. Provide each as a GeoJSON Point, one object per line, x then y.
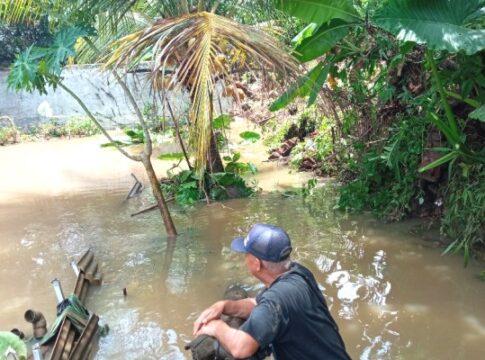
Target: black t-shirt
{"type": "Point", "coordinates": [292, 317]}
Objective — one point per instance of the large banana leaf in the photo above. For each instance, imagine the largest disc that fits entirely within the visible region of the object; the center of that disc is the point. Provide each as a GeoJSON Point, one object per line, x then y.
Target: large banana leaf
{"type": "Point", "coordinates": [440, 24]}
{"type": "Point", "coordinates": [319, 11]}
{"type": "Point", "coordinates": [321, 40]}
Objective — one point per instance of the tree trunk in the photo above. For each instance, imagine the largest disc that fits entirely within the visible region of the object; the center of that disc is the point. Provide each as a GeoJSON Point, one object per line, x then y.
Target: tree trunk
{"type": "Point", "coordinates": [214, 161]}
{"type": "Point", "coordinates": [157, 192]}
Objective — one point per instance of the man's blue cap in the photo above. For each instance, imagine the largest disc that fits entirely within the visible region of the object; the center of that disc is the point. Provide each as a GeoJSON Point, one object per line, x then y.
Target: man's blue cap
{"type": "Point", "coordinates": [266, 242]}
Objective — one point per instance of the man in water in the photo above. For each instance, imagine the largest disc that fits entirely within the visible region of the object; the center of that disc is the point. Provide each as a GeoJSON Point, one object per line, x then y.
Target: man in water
{"type": "Point", "coordinates": [289, 317]}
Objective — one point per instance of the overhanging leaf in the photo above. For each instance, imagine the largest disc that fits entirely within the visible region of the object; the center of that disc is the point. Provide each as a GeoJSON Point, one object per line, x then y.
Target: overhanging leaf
{"type": "Point", "coordinates": [315, 90]}
{"type": "Point", "coordinates": [63, 47]}
{"type": "Point", "coordinates": [23, 72]}
{"type": "Point", "coordinates": [322, 40]}
{"type": "Point", "coordinates": [318, 11]}
{"type": "Point", "coordinates": [440, 24]}
{"type": "Point", "coordinates": [478, 114]}
{"type": "Point", "coordinates": [301, 88]}
{"type": "Point", "coordinates": [303, 34]}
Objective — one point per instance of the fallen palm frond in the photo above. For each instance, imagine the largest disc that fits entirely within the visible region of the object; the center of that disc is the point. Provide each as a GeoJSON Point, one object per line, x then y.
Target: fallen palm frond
{"type": "Point", "coordinates": [193, 52]}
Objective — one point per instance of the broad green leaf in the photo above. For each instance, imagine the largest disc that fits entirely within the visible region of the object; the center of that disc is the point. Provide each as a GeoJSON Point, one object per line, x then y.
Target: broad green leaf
{"type": "Point", "coordinates": [478, 114]}
{"type": "Point", "coordinates": [440, 24]}
{"type": "Point", "coordinates": [303, 34]}
{"type": "Point", "coordinates": [321, 41]}
{"type": "Point", "coordinates": [63, 47]}
{"type": "Point", "coordinates": [221, 122]}
{"type": "Point", "coordinates": [301, 88]}
{"type": "Point", "coordinates": [250, 136]}
{"type": "Point", "coordinates": [319, 11]}
{"type": "Point", "coordinates": [23, 73]}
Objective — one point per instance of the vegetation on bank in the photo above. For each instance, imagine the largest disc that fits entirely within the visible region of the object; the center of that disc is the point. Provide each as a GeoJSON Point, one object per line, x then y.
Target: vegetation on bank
{"type": "Point", "coordinates": [406, 108]}
{"type": "Point", "coordinates": [52, 128]}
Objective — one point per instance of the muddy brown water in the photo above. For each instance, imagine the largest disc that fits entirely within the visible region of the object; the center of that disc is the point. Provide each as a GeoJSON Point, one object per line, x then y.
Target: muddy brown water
{"type": "Point", "coordinates": [393, 296]}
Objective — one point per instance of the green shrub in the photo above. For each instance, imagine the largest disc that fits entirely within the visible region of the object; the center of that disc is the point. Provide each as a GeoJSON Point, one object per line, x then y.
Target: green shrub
{"type": "Point", "coordinates": [185, 187]}
{"type": "Point", "coordinates": [387, 177]}
{"type": "Point", "coordinates": [81, 126]}
{"type": "Point", "coordinates": [8, 135]}
{"type": "Point", "coordinates": [50, 129]}
{"type": "Point", "coordinates": [463, 218]}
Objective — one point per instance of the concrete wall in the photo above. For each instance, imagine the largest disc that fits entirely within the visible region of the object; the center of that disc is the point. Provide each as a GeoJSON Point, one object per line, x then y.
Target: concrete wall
{"type": "Point", "coordinates": [98, 90]}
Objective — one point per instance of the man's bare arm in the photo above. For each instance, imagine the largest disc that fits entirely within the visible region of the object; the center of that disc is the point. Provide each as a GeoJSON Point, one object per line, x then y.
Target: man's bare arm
{"type": "Point", "coordinates": [240, 308]}
{"type": "Point", "coordinates": [239, 343]}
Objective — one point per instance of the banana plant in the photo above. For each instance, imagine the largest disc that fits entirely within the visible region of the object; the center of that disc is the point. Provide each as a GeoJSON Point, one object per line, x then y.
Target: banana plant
{"type": "Point", "coordinates": [440, 25]}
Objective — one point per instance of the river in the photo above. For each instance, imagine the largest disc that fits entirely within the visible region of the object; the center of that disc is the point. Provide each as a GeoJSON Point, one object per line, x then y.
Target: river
{"type": "Point", "coordinates": [393, 295]}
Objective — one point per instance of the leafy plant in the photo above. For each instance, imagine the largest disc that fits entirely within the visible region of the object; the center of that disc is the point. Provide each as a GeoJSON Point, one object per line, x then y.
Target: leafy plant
{"type": "Point", "coordinates": [137, 136]}
{"type": "Point", "coordinates": [81, 127]}
{"type": "Point", "coordinates": [222, 122]}
{"type": "Point", "coordinates": [186, 187]}
{"type": "Point", "coordinates": [387, 178]}
{"type": "Point", "coordinates": [465, 211]}
{"type": "Point", "coordinates": [410, 21]}
{"type": "Point", "coordinates": [37, 67]}
{"type": "Point", "coordinates": [250, 136]}
{"type": "Point", "coordinates": [233, 165]}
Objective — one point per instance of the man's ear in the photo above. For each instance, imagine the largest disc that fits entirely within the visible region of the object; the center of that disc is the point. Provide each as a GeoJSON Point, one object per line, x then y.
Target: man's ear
{"type": "Point", "coordinates": [259, 264]}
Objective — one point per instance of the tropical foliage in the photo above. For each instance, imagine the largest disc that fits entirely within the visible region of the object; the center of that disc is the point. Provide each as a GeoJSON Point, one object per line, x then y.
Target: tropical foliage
{"type": "Point", "coordinates": [383, 66]}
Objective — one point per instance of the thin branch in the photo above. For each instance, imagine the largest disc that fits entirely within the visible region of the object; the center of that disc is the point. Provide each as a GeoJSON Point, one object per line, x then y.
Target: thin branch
{"type": "Point", "coordinates": [128, 93]}
{"type": "Point", "coordinates": [215, 6]}
{"type": "Point", "coordinates": [177, 130]}
{"type": "Point", "coordinates": [201, 6]}
{"type": "Point", "coordinates": [98, 124]}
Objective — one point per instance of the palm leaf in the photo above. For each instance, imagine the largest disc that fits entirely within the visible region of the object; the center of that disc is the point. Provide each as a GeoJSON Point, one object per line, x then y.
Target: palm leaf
{"type": "Point", "coordinates": [192, 51]}
{"type": "Point", "coordinates": [308, 84]}
{"type": "Point", "coordinates": [441, 24]}
{"type": "Point", "coordinates": [319, 11]}
{"type": "Point", "coordinates": [15, 11]}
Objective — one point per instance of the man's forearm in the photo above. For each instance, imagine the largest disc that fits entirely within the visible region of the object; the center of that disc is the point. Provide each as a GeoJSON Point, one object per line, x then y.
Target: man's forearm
{"type": "Point", "coordinates": [239, 308]}
{"type": "Point", "coordinates": [237, 342]}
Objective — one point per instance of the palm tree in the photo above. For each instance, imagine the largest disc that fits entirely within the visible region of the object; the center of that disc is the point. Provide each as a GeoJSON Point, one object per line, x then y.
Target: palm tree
{"type": "Point", "coordinates": [194, 51]}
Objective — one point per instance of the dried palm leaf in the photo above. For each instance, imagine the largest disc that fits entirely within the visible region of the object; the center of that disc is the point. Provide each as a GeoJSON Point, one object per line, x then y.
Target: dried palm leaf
{"type": "Point", "coordinates": [199, 49]}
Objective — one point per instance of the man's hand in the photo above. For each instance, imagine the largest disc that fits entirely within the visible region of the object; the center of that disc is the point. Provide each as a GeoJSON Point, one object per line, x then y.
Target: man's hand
{"type": "Point", "coordinates": [209, 329]}
{"type": "Point", "coordinates": [212, 313]}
